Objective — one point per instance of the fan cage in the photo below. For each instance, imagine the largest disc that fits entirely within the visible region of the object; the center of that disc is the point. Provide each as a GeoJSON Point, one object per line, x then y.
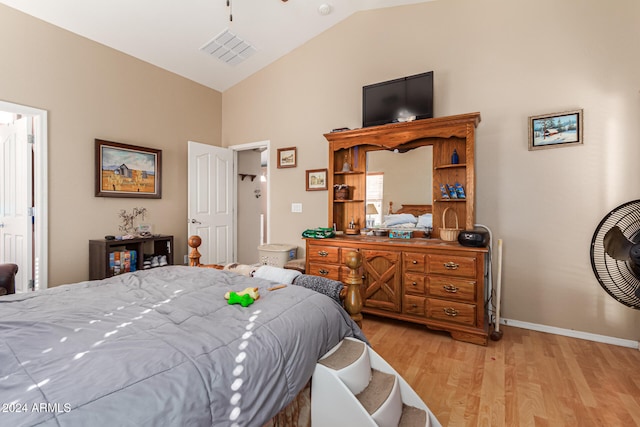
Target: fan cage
{"type": "Point", "coordinates": [617, 277]}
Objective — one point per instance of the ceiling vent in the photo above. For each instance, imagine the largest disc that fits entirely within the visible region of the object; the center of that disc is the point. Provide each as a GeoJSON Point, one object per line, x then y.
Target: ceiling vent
{"type": "Point", "coordinates": [229, 48]}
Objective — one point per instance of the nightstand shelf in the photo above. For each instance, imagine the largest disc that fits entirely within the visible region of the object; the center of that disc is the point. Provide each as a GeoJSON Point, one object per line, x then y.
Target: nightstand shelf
{"type": "Point", "coordinates": [100, 251]}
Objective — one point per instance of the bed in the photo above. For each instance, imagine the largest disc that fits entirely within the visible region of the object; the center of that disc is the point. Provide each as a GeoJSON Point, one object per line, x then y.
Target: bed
{"type": "Point", "coordinates": [161, 347]}
{"type": "Point", "coordinates": [416, 218]}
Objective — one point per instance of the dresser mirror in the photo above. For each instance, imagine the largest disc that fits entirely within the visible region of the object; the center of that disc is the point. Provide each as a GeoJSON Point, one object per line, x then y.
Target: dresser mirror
{"type": "Point", "coordinates": [402, 177]}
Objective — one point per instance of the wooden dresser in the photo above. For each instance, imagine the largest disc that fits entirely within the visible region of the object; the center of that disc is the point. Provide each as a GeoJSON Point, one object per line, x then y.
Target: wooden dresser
{"type": "Point", "coordinates": [426, 281]}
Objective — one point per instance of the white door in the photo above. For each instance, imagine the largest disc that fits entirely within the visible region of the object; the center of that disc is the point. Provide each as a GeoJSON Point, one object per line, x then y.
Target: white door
{"type": "Point", "coordinates": [16, 227]}
{"type": "Point", "coordinates": [210, 201]}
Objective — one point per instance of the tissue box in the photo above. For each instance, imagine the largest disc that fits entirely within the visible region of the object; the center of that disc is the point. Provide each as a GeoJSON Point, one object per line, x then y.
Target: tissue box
{"type": "Point", "coordinates": [400, 234]}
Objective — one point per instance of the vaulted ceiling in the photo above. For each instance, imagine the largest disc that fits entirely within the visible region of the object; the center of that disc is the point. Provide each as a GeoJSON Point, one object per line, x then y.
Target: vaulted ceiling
{"type": "Point", "coordinates": [171, 34]}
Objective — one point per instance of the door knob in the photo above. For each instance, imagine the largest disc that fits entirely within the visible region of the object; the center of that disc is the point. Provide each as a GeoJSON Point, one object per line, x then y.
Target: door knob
{"type": "Point", "coordinates": [194, 221]}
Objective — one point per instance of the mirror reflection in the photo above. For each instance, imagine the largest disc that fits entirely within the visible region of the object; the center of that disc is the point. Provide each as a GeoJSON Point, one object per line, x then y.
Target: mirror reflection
{"type": "Point", "coordinates": [401, 178]}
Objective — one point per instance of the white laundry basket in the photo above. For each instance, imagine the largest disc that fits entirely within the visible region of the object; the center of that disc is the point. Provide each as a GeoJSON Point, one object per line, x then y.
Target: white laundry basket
{"type": "Point", "coordinates": [276, 254]}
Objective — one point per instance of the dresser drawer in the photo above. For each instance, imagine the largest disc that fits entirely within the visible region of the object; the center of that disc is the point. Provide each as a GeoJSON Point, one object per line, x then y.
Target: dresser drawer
{"type": "Point", "coordinates": [452, 265]}
{"type": "Point", "coordinates": [451, 311]}
{"type": "Point", "coordinates": [413, 305]}
{"type": "Point", "coordinates": [325, 254]}
{"type": "Point", "coordinates": [452, 288]}
{"type": "Point", "coordinates": [415, 262]}
{"type": "Point", "coordinates": [415, 283]}
{"type": "Point", "coordinates": [324, 270]}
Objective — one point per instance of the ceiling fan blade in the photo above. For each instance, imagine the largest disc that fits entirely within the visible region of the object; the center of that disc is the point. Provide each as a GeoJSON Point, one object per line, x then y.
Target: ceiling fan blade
{"type": "Point", "coordinates": [616, 245]}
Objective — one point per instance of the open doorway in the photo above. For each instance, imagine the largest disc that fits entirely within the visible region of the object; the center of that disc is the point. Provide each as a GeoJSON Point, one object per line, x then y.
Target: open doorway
{"type": "Point", "coordinates": [252, 200]}
{"type": "Point", "coordinates": [23, 194]}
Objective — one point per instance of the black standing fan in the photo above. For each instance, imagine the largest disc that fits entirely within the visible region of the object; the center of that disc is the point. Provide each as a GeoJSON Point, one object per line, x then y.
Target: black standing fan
{"type": "Point", "coordinates": [615, 253]}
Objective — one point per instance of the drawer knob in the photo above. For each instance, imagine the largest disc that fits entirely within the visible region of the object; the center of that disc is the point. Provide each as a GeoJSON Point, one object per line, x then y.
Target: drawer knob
{"type": "Point", "coordinates": [414, 305]}
{"type": "Point", "coordinates": [450, 311]}
{"type": "Point", "coordinates": [451, 265]}
{"type": "Point", "coordinates": [414, 284]}
{"type": "Point", "coordinates": [323, 271]}
{"type": "Point", "coordinates": [450, 288]}
{"type": "Point", "coordinates": [414, 261]}
{"type": "Point", "coordinates": [323, 253]}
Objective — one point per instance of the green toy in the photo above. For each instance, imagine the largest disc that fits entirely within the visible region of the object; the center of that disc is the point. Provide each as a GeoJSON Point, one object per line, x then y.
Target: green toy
{"type": "Point", "coordinates": [244, 300]}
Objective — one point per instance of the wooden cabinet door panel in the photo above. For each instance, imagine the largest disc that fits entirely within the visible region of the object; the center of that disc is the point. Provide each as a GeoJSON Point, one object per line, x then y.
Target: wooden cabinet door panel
{"type": "Point", "coordinates": [381, 287]}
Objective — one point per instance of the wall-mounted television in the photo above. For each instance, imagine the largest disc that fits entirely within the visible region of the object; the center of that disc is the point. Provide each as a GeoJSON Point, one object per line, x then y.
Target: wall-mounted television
{"type": "Point", "coordinates": [395, 100]}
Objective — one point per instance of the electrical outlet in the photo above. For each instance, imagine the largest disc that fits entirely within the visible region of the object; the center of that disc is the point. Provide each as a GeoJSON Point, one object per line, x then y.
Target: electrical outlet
{"type": "Point", "coordinates": [296, 207]}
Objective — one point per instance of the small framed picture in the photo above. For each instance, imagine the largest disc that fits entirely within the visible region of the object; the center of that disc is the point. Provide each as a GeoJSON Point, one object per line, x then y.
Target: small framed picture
{"type": "Point", "coordinates": [287, 157]}
{"type": "Point", "coordinates": [316, 179]}
{"type": "Point", "coordinates": [555, 130]}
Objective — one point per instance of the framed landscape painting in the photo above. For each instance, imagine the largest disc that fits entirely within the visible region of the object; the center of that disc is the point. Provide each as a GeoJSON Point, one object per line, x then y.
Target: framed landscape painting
{"type": "Point", "coordinates": [124, 170]}
{"type": "Point", "coordinates": [555, 130]}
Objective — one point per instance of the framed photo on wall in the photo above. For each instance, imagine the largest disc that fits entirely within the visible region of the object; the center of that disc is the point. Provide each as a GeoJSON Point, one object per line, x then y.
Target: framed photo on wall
{"type": "Point", "coordinates": [124, 170]}
{"type": "Point", "coordinates": [555, 130]}
{"type": "Point", "coordinates": [316, 179]}
{"type": "Point", "coordinates": [287, 157]}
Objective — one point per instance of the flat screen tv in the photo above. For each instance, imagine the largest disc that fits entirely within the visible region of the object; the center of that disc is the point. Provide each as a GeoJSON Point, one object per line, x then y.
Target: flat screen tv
{"type": "Point", "coordinates": [389, 101]}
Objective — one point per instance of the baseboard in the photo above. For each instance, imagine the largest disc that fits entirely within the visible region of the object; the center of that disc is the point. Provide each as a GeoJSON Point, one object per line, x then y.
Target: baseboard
{"type": "Point", "coordinates": [571, 333]}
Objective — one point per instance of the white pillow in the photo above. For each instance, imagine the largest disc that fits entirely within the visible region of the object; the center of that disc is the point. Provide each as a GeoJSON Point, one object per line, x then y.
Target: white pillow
{"type": "Point", "coordinates": [396, 219]}
{"type": "Point", "coordinates": [425, 220]}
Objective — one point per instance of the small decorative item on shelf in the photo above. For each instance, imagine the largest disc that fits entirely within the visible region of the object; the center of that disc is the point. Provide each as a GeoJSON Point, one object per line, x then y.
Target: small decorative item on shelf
{"type": "Point", "coordinates": [400, 234]}
{"type": "Point", "coordinates": [128, 227]}
{"type": "Point", "coordinates": [460, 191]}
{"type": "Point", "coordinates": [346, 167]}
{"type": "Point", "coordinates": [353, 228]}
{"type": "Point", "coordinates": [452, 191]}
{"type": "Point", "coordinates": [341, 192]}
{"type": "Point", "coordinates": [443, 191]}
{"type": "Point", "coordinates": [454, 157]}
{"type": "Point", "coordinates": [449, 234]}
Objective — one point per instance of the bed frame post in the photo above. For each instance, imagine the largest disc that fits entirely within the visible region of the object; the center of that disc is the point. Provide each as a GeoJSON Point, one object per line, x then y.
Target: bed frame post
{"type": "Point", "coordinates": [353, 300]}
{"type": "Point", "coordinates": [194, 255]}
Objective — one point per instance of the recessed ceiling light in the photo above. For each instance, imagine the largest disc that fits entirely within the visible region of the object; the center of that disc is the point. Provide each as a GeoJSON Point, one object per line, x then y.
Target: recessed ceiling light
{"type": "Point", "coordinates": [324, 9]}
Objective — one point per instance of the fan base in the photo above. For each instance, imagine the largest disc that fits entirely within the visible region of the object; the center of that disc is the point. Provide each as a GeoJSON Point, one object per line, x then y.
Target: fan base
{"type": "Point", "coordinates": [496, 335]}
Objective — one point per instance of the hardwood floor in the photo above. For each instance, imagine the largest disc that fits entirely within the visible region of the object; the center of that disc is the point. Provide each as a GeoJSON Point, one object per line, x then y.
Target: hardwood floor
{"type": "Point", "coordinates": [527, 378]}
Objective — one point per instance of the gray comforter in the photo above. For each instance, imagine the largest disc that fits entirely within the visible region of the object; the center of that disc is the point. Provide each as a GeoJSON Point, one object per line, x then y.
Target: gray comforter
{"type": "Point", "coordinates": [161, 348]}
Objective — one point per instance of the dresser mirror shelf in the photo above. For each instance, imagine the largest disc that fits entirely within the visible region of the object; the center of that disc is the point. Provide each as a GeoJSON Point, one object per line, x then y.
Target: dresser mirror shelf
{"type": "Point", "coordinates": [437, 138]}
